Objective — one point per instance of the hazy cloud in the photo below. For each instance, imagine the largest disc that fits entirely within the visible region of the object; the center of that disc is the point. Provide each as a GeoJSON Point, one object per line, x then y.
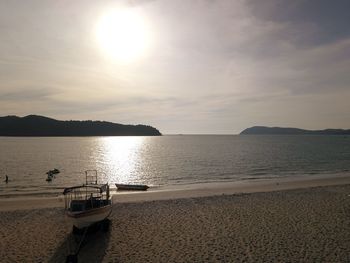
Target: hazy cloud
{"type": "Point", "coordinates": [214, 66]}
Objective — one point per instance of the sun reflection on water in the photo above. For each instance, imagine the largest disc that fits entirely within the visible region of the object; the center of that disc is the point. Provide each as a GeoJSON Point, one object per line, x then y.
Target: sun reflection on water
{"type": "Point", "coordinates": [121, 158]}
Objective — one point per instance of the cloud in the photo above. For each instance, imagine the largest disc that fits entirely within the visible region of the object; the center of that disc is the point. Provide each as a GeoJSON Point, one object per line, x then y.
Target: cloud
{"type": "Point", "coordinates": [27, 94]}
{"type": "Point", "coordinates": [324, 21]}
{"type": "Point", "coordinates": [215, 66]}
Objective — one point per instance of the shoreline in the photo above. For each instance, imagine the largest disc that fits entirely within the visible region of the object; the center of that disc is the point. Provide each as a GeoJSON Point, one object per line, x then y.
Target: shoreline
{"type": "Point", "coordinates": [299, 225]}
{"type": "Point", "coordinates": [188, 191]}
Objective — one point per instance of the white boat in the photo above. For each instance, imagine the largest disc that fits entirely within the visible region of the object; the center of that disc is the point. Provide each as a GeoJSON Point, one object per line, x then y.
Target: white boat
{"type": "Point", "coordinates": [89, 203]}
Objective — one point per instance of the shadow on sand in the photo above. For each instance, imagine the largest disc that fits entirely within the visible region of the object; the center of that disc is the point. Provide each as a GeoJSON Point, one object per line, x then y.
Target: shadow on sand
{"type": "Point", "coordinates": [92, 249]}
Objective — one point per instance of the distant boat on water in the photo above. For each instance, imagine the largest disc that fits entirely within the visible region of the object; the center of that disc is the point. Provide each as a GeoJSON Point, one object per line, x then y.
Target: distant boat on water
{"type": "Point", "coordinates": [51, 174]}
{"type": "Point", "coordinates": [54, 171]}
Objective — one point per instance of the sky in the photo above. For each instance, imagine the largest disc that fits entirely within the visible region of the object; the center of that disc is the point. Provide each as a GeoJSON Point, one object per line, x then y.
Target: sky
{"type": "Point", "coordinates": [203, 67]}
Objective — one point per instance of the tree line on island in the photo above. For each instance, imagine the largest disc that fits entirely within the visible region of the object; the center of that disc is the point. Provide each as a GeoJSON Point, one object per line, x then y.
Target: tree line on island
{"type": "Point", "coordinates": [34, 125]}
{"type": "Point", "coordinates": [262, 130]}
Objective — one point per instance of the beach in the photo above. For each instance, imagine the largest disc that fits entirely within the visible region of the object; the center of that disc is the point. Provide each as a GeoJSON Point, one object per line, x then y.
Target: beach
{"type": "Point", "coordinates": [275, 223]}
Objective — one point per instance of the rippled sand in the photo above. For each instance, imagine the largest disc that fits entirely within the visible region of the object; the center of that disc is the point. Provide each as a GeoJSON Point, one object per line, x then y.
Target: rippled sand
{"type": "Point", "coordinates": [307, 225]}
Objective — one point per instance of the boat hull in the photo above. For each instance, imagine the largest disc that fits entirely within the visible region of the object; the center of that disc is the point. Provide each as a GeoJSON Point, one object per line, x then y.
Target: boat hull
{"type": "Point", "coordinates": [81, 219]}
{"type": "Point", "coordinates": [132, 187]}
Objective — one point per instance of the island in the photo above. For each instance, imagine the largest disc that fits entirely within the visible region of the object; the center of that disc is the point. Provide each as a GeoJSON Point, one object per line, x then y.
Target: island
{"type": "Point", "coordinates": [262, 130]}
{"type": "Point", "coordinates": [34, 125]}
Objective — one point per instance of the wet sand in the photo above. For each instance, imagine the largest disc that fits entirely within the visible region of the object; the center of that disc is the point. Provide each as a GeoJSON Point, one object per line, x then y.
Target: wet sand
{"type": "Point", "coordinates": [301, 225]}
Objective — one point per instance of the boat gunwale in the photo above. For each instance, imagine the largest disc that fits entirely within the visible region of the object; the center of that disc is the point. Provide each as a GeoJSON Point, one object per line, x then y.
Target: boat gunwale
{"type": "Point", "coordinates": [101, 187]}
{"type": "Point", "coordinates": [92, 211]}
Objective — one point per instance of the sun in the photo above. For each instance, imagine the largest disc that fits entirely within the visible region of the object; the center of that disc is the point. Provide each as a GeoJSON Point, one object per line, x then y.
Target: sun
{"type": "Point", "coordinates": [123, 34]}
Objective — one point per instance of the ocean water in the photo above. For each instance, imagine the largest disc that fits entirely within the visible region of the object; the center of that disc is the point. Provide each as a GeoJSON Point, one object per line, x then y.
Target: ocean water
{"type": "Point", "coordinates": [166, 160]}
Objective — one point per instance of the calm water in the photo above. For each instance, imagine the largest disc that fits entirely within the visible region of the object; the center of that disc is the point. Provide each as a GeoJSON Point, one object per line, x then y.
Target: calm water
{"type": "Point", "coordinates": [166, 160]}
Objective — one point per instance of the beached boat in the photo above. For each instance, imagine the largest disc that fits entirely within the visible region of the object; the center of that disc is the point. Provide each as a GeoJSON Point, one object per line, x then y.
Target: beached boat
{"type": "Point", "coordinates": [137, 187]}
{"type": "Point", "coordinates": [89, 203]}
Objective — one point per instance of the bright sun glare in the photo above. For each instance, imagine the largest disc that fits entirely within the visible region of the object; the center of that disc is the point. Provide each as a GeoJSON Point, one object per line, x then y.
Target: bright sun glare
{"type": "Point", "coordinates": [123, 34]}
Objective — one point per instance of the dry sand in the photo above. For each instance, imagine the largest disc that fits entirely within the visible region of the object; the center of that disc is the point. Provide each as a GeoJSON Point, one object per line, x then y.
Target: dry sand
{"type": "Point", "coordinates": [302, 225]}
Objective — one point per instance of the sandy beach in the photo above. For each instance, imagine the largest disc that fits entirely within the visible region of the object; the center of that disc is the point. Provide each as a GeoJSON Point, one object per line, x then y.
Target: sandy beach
{"type": "Point", "coordinates": [306, 224]}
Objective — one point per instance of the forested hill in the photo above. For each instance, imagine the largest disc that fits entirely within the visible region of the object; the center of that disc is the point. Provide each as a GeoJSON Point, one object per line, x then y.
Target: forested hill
{"type": "Point", "coordinates": [261, 130]}
{"type": "Point", "coordinates": [34, 125]}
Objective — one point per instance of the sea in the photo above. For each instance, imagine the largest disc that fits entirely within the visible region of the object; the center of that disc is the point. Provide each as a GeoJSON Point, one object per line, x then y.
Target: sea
{"type": "Point", "coordinates": [165, 161]}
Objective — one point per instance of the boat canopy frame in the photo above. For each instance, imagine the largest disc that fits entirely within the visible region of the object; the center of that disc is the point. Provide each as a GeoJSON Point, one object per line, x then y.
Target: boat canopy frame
{"type": "Point", "coordinates": [89, 191]}
{"type": "Point", "coordinates": [102, 188]}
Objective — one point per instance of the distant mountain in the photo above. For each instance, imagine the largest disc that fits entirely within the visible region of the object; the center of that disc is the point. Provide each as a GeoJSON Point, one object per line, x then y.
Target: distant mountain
{"type": "Point", "coordinates": [34, 125]}
{"type": "Point", "coordinates": [261, 130]}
